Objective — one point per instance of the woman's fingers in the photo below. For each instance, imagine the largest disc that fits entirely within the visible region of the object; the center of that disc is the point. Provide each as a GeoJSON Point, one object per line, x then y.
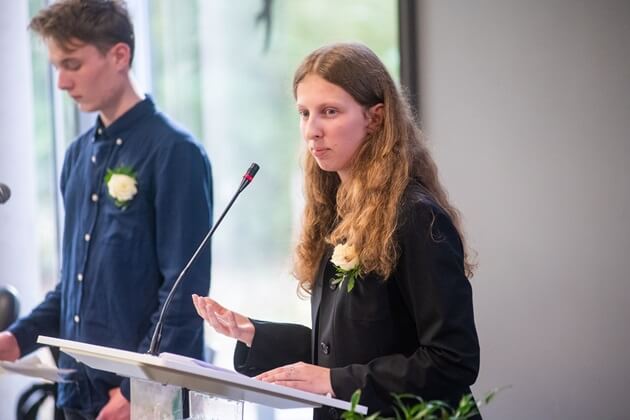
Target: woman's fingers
{"type": "Point", "coordinates": [215, 320]}
{"type": "Point", "coordinates": [202, 309]}
{"type": "Point", "coordinates": [221, 319]}
{"type": "Point", "coordinates": [283, 373]}
{"type": "Point", "coordinates": [303, 376]}
{"type": "Point", "coordinates": [199, 306]}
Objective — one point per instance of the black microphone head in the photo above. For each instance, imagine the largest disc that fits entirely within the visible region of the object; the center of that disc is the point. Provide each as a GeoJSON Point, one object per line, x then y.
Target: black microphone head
{"type": "Point", "coordinates": [5, 192]}
{"type": "Point", "coordinates": [249, 176]}
{"type": "Point", "coordinates": [253, 169]}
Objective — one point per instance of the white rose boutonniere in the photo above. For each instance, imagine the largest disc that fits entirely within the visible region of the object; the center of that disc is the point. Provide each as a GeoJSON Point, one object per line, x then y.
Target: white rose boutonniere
{"type": "Point", "coordinates": [122, 185]}
{"type": "Point", "coordinates": [346, 261]}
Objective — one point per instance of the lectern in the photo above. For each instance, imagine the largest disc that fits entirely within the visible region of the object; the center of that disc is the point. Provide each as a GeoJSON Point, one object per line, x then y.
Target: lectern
{"type": "Point", "coordinates": [216, 393]}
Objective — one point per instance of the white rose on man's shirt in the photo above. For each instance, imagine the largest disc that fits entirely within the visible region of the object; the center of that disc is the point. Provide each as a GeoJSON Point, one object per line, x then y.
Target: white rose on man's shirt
{"type": "Point", "coordinates": [122, 187]}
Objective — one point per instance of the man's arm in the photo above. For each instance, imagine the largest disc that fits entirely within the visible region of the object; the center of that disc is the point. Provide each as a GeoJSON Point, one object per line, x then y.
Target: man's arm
{"type": "Point", "coordinates": [43, 320]}
{"type": "Point", "coordinates": [183, 209]}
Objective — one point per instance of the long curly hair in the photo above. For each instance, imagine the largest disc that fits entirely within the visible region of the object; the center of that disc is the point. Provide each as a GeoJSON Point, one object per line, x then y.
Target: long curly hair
{"type": "Point", "coordinates": [364, 210]}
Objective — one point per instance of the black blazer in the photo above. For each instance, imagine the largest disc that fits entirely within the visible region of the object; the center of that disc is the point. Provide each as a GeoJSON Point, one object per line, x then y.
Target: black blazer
{"type": "Point", "coordinates": [414, 333]}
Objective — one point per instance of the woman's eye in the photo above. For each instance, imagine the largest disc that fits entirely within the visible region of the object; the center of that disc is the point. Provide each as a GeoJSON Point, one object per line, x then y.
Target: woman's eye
{"type": "Point", "coordinates": [330, 112]}
{"type": "Point", "coordinates": [303, 113]}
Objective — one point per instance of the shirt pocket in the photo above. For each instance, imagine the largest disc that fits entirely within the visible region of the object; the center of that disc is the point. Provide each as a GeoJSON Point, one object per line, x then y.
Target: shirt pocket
{"type": "Point", "coordinates": [131, 222]}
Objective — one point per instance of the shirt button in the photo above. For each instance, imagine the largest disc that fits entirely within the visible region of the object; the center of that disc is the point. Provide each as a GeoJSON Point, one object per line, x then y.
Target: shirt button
{"type": "Point", "coordinates": [325, 347]}
{"type": "Point", "coordinates": [80, 277]}
{"type": "Point", "coordinates": [99, 131]}
{"type": "Point", "coordinates": [119, 141]}
{"type": "Point", "coordinates": [76, 319]}
{"type": "Point", "coordinates": [93, 158]}
{"type": "Point", "coordinates": [87, 237]}
{"type": "Point", "coordinates": [95, 197]}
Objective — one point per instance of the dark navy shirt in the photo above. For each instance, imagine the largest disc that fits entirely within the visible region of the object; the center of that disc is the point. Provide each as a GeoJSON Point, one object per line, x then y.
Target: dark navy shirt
{"type": "Point", "coordinates": [119, 263]}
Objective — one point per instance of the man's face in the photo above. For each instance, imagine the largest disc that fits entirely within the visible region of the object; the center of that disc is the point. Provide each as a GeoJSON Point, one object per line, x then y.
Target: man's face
{"type": "Point", "coordinates": [90, 77]}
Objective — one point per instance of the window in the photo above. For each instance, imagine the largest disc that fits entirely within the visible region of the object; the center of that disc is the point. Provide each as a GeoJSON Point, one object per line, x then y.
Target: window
{"type": "Point", "coordinates": [214, 71]}
{"type": "Point", "coordinates": [49, 122]}
{"type": "Point", "coordinates": [223, 69]}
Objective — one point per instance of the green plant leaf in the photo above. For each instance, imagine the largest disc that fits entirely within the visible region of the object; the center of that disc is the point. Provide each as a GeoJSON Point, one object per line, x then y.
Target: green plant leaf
{"type": "Point", "coordinates": [413, 407]}
{"type": "Point", "coordinates": [354, 401]}
{"type": "Point", "coordinates": [490, 395]}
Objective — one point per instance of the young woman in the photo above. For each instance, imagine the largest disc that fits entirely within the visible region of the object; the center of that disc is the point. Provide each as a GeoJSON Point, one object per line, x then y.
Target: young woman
{"type": "Point", "coordinates": [392, 309]}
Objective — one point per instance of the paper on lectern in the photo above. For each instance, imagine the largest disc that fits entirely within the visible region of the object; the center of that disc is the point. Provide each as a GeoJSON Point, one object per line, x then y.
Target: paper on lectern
{"type": "Point", "coordinates": [196, 362]}
{"type": "Point", "coordinates": [39, 364]}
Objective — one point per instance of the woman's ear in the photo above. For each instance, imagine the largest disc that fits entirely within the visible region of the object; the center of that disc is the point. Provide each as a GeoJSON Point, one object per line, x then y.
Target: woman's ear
{"type": "Point", "coordinates": [375, 117]}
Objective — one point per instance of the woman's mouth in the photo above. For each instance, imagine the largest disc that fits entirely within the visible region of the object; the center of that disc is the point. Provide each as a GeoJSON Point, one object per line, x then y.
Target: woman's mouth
{"type": "Point", "coordinates": [319, 152]}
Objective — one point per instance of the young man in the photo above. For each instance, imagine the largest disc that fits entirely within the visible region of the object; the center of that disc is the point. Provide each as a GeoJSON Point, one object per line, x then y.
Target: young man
{"type": "Point", "coordinates": [137, 192]}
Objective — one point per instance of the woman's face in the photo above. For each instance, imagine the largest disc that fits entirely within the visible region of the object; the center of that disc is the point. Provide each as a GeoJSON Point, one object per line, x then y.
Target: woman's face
{"type": "Point", "coordinates": [332, 123]}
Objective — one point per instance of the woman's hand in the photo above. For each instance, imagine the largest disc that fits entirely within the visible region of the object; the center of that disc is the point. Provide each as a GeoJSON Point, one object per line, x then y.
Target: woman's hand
{"type": "Point", "coordinates": [224, 321]}
{"type": "Point", "coordinates": [303, 376]}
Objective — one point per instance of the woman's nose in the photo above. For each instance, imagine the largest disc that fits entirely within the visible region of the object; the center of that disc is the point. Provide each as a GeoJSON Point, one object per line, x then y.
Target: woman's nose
{"type": "Point", "coordinates": [313, 129]}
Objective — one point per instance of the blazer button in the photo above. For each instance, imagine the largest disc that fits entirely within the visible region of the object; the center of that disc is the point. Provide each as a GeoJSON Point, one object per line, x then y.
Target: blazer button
{"type": "Point", "coordinates": [325, 347]}
{"type": "Point", "coordinates": [332, 412]}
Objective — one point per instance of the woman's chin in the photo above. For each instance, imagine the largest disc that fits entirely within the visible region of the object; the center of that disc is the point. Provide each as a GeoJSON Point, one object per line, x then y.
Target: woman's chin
{"type": "Point", "coordinates": [326, 167]}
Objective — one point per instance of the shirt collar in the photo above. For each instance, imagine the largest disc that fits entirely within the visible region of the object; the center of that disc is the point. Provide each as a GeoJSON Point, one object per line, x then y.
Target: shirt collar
{"type": "Point", "coordinates": [137, 112]}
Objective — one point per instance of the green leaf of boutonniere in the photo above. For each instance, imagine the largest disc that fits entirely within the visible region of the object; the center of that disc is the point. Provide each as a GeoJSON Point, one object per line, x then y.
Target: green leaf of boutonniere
{"type": "Point", "coordinates": [343, 275]}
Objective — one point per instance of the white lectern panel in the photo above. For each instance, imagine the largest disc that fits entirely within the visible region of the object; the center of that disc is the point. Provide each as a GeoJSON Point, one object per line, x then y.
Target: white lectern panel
{"type": "Point", "coordinates": [194, 375]}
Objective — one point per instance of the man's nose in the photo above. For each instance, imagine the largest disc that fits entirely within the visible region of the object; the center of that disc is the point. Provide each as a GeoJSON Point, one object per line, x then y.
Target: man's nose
{"type": "Point", "coordinates": [64, 82]}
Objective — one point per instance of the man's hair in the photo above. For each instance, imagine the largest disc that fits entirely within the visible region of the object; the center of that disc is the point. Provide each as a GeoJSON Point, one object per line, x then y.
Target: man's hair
{"type": "Point", "coordinates": [101, 23]}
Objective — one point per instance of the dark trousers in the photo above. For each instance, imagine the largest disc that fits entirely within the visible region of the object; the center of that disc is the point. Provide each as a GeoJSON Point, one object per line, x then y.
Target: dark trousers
{"type": "Point", "coordinates": [76, 415]}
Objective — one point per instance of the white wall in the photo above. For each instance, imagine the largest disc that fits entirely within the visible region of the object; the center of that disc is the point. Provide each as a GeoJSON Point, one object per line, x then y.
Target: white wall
{"type": "Point", "coordinates": [528, 106]}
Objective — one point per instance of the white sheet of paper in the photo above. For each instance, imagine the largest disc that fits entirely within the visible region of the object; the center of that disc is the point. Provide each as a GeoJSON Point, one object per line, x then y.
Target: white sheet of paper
{"type": "Point", "coordinates": [195, 362]}
{"type": "Point", "coordinates": [39, 364]}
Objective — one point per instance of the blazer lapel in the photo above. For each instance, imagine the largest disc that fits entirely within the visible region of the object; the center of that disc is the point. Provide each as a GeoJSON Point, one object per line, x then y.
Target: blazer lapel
{"type": "Point", "coordinates": [316, 299]}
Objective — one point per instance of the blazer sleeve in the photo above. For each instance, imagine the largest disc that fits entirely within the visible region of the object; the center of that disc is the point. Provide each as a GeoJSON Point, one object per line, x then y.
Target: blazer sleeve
{"type": "Point", "coordinates": [274, 345]}
{"type": "Point", "coordinates": [438, 297]}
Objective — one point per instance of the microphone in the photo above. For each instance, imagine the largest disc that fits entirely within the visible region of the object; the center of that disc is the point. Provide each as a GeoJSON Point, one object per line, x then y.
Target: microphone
{"type": "Point", "coordinates": [5, 193]}
{"type": "Point", "coordinates": [157, 334]}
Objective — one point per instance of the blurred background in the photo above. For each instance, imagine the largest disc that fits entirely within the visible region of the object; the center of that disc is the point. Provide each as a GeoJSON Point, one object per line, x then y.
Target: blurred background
{"type": "Point", "coordinates": [526, 106]}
